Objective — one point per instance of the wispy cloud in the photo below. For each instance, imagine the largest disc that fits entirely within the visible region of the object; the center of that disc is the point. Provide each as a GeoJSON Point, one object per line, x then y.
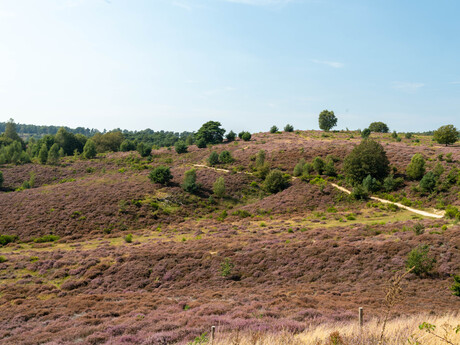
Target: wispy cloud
{"type": "Point", "coordinates": [408, 87]}
{"type": "Point", "coordinates": [262, 2]}
{"type": "Point", "coordinates": [333, 64]}
{"type": "Point", "coordinates": [182, 5]}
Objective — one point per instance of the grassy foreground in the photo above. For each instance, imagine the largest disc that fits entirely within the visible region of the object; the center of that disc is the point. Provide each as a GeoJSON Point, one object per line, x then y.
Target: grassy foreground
{"type": "Point", "coordinates": [398, 331]}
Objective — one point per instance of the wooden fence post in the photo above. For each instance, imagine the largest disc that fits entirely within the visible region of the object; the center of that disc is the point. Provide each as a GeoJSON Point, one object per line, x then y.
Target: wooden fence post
{"type": "Point", "coordinates": [361, 319]}
{"type": "Point", "coordinates": [213, 330]}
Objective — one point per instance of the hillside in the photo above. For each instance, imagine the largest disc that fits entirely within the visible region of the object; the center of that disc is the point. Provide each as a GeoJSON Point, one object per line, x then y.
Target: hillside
{"type": "Point", "coordinates": [306, 255]}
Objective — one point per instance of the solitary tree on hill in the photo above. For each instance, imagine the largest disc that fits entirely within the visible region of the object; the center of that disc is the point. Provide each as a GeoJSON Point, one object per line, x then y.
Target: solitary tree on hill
{"type": "Point", "coordinates": [446, 135]}
{"type": "Point", "coordinates": [327, 120]}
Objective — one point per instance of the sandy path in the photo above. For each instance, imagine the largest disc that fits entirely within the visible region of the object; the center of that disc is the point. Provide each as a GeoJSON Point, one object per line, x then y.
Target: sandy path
{"type": "Point", "coordinates": [437, 213]}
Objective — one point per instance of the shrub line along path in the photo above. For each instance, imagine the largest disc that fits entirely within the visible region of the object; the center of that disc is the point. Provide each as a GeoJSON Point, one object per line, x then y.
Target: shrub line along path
{"type": "Point", "coordinates": [437, 213]}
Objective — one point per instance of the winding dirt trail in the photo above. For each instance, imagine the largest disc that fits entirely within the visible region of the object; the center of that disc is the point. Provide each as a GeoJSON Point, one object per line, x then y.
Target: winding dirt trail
{"type": "Point", "coordinates": [436, 214]}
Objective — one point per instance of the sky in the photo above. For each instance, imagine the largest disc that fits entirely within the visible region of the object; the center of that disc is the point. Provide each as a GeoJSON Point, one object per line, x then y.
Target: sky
{"type": "Point", "coordinates": [249, 64]}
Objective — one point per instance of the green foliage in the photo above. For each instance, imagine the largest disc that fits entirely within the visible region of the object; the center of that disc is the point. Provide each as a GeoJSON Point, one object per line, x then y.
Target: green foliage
{"type": "Point", "coordinates": [408, 135]}
{"type": "Point", "coordinates": [144, 149]}
{"type": "Point", "coordinates": [298, 169]}
{"type": "Point", "coordinates": [329, 168]}
{"type": "Point", "coordinates": [199, 340]}
{"type": "Point", "coordinates": [446, 135]}
{"type": "Point", "coordinates": [68, 141]}
{"type": "Point", "coordinates": [456, 286]}
{"type": "Point", "coordinates": [289, 128]}
{"type": "Point", "coordinates": [453, 176]}
{"type": "Point", "coordinates": [428, 182]}
{"type": "Point", "coordinates": [391, 184]}
{"type": "Point", "coordinates": [2, 259]}
{"type": "Point", "coordinates": [275, 182]}
{"type": "Point", "coordinates": [226, 267]}
{"type": "Point", "coordinates": [370, 184]}
{"type": "Point", "coordinates": [46, 238]}
{"type": "Point", "coordinates": [231, 136]}
{"type": "Point", "coordinates": [368, 158]}
{"type": "Point", "coordinates": [394, 135]}
{"type": "Point", "coordinates": [365, 133]}
{"type": "Point", "coordinates": [416, 168]}
{"type": "Point", "coordinates": [89, 150]}
{"type": "Point", "coordinates": [418, 229]}
{"type": "Point", "coordinates": [128, 238]}
{"type": "Point", "coordinates": [307, 169]}
{"type": "Point", "coordinates": [241, 214]}
{"type": "Point", "coordinates": [359, 193]}
{"type": "Point", "coordinates": [327, 120]}
{"type": "Point", "coordinates": [53, 154]}
{"type": "Point", "coordinates": [110, 141]}
{"type": "Point", "coordinates": [1, 179]}
{"type": "Point", "coordinates": [13, 153]}
{"type": "Point", "coordinates": [189, 184]}
{"type": "Point", "coordinates": [452, 212]}
{"type": "Point", "coordinates": [211, 133]}
{"type": "Point", "coordinates": [161, 174]}
{"type": "Point", "coordinates": [219, 187]}
{"type": "Point", "coordinates": [180, 147]}
{"type": "Point", "coordinates": [11, 132]}
{"type": "Point", "coordinates": [318, 165]}
{"type": "Point", "coordinates": [5, 239]}
{"type": "Point", "coordinates": [273, 129]}
{"type": "Point", "coordinates": [127, 145]}
{"type": "Point", "coordinates": [420, 260]}
{"type": "Point", "coordinates": [246, 136]}
{"type": "Point", "coordinates": [213, 158]}
{"type": "Point", "coordinates": [378, 127]}
{"type": "Point", "coordinates": [260, 159]}
{"type": "Point", "coordinates": [438, 170]}
{"type": "Point", "coordinates": [225, 157]}
{"type": "Point", "coordinates": [43, 154]}
{"type": "Point", "coordinates": [201, 143]}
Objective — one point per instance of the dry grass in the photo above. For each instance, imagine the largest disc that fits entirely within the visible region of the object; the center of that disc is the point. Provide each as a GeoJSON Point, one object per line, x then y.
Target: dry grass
{"type": "Point", "coordinates": [398, 332]}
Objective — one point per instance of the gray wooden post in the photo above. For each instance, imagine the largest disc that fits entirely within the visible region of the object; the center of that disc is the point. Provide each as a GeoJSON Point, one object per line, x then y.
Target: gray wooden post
{"type": "Point", "coordinates": [213, 330]}
{"type": "Point", "coordinates": [361, 318]}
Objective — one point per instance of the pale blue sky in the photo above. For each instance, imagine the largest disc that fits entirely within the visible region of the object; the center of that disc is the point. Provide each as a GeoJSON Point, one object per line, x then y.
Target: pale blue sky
{"type": "Point", "coordinates": [174, 64]}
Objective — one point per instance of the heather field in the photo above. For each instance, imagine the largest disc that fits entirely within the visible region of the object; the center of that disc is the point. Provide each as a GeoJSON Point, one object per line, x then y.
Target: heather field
{"type": "Point", "coordinates": [104, 256]}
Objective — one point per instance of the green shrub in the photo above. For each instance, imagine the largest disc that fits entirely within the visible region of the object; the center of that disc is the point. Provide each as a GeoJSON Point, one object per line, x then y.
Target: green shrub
{"type": "Point", "coordinates": [378, 127]}
{"type": "Point", "coordinates": [144, 150]}
{"type": "Point", "coordinates": [2, 259]}
{"type": "Point", "coordinates": [452, 212]}
{"type": "Point", "coordinates": [180, 147]}
{"type": "Point", "coordinates": [452, 176]}
{"type": "Point", "coordinates": [456, 286]}
{"type": "Point", "coordinates": [273, 129]}
{"type": "Point", "coordinates": [219, 187]}
{"type": "Point", "coordinates": [391, 184]}
{"type": "Point", "coordinates": [275, 182]}
{"type": "Point", "coordinates": [318, 165]}
{"type": "Point", "coordinates": [370, 184]}
{"type": "Point", "coordinates": [446, 135]}
{"type": "Point", "coordinates": [329, 169]}
{"type": "Point", "coordinates": [365, 133]}
{"type": "Point", "coordinates": [408, 135]}
{"type": "Point", "coordinates": [201, 143]}
{"type": "Point", "coordinates": [260, 159]}
{"type": "Point", "coordinates": [418, 229]}
{"type": "Point", "coordinates": [43, 154]}
{"type": "Point", "coordinates": [416, 168]}
{"type": "Point", "coordinates": [211, 133]}
{"type": "Point", "coordinates": [213, 158]}
{"type": "Point", "coordinates": [231, 136]}
{"type": "Point", "coordinates": [307, 169]}
{"type": "Point", "coordinates": [438, 170]}
{"type": "Point", "coordinates": [359, 193]}
{"type": "Point", "coordinates": [242, 214]}
{"type": "Point", "coordinates": [420, 260]}
{"type": "Point", "coordinates": [46, 238]}
{"type": "Point", "coordinates": [225, 157]}
{"type": "Point", "coordinates": [289, 128]}
{"type": "Point", "coordinates": [128, 238]}
{"type": "Point", "coordinates": [5, 239]}
{"type": "Point", "coordinates": [161, 174]}
{"type": "Point", "coordinates": [190, 184]}
{"type": "Point", "coordinates": [226, 267]}
{"type": "Point", "coordinates": [298, 169]}
{"type": "Point", "coordinates": [127, 145]}
{"type": "Point", "coordinates": [428, 182]}
{"type": "Point", "coordinates": [246, 136]}
{"type": "Point", "coordinates": [89, 150]}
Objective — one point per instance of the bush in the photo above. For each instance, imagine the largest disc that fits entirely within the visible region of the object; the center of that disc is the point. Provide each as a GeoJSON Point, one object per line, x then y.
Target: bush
{"type": "Point", "coordinates": [428, 182]}
{"type": "Point", "coordinates": [289, 128]}
{"type": "Point", "coordinates": [438, 170]}
{"type": "Point", "coordinates": [180, 147]}
{"type": "Point", "coordinates": [394, 135]}
{"type": "Point", "coordinates": [327, 120]}
{"type": "Point", "coordinates": [368, 158]}
{"type": "Point", "coordinates": [391, 184]}
{"type": "Point", "coordinates": [359, 193]}
{"type": "Point", "coordinates": [370, 184]}
{"type": "Point", "coordinates": [129, 238]}
{"type": "Point", "coordinates": [378, 127]}
{"type": "Point", "coordinates": [307, 169]}
{"type": "Point", "coordinates": [161, 174]}
{"type": "Point", "coordinates": [144, 149]}
{"type": "Point", "coordinates": [418, 229]}
{"type": "Point", "coordinates": [260, 159]}
{"type": "Point", "coordinates": [420, 260]}
{"type": "Point", "coordinates": [219, 187]}
{"type": "Point", "coordinates": [226, 268]}
{"type": "Point", "coordinates": [231, 136]}
{"type": "Point", "coordinates": [452, 176]}
{"type": "Point", "coordinates": [446, 135]}
{"type": "Point", "coordinates": [298, 169]}
{"type": "Point", "coordinates": [318, 165]}
{"type": "Point", "coordinates": [452, 212]}
{"type": "Point", "coordinates": [275, 182]}
{"type": "Point", "coordinates": [416, 168]}
{"type": "Point", "coordinates": [190, 184]}
{"type": "Point", "coordinates": [2, 259]}
{"type": "Point", "coordinates": [456, 286]}
{"type": "Point", "coordinates": [5, 239]}
{"type": "Point", "coordinates": [89, 150]}
{"type": "Point", "coordinates": [53, 154]}
{"type": "Point", "coordinates": [329, 169]}
{"type": "Point", "coordinates": [213, 158]}
{"type": "Point", "coordinates": [408, 135]}
{"type": "Point", "coordinates": [365, 133]}
{"type": "Point", "coordinates": [240, 134]}
{"type": "Point", "coordinates": [273, 129]}
{"type": "Point", "coordinates": [246, 136]}
{"type": "Point", "coordinates": [43, 154]}
{"type": "Point", "coordinates": [210, 133]}
{"type": "Point", "coordinates": [46, 238]}
{"type": "Point", "coordinates": [225, 157]}
{"type": "Point", "coordinates": [127, 145]}
{"type": "Point", "coordinates": [201, 143]}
